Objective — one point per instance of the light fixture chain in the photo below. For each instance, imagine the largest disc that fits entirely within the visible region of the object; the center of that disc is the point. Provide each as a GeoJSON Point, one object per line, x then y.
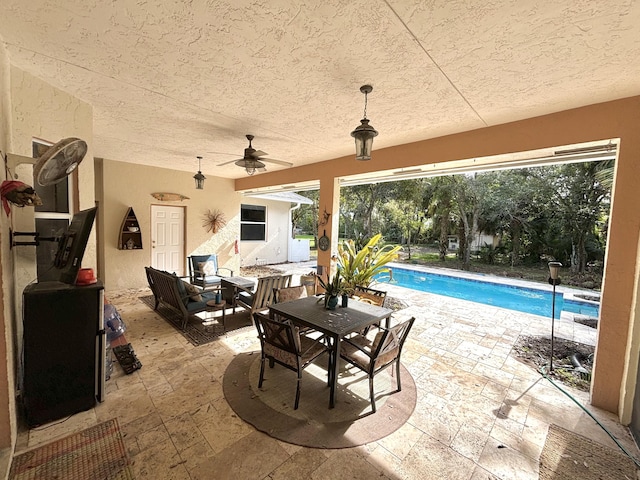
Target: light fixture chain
{"type": "Point", "coordinates": [365, 105]}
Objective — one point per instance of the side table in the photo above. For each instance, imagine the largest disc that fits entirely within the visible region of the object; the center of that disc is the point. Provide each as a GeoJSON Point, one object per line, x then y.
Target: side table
{"type": "Point", "coordinates": [231, 285]}
{"type": "Point", "coordinates": [212, 306]}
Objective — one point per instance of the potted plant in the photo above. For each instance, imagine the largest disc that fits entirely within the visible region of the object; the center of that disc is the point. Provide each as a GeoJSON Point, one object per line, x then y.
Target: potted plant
{"type": "Point", "coordinates": [333, 288]}
{"type": "Point", "coordinates": [361, 267]}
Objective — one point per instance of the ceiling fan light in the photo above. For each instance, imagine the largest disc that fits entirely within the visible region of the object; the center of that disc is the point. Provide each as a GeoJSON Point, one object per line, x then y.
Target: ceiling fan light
{"type": "Point", "coordinates": [250, 165]}
{"type": "Point", "coordinates": [199, 177]}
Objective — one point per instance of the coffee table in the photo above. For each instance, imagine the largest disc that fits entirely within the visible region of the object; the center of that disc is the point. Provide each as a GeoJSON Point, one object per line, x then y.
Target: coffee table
{"type": "Point", "coordinates": [230, 286]}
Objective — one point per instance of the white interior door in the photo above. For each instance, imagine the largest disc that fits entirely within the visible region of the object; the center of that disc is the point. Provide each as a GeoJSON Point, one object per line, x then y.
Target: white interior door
{"type": "Point", "coordinates": [167, 238]}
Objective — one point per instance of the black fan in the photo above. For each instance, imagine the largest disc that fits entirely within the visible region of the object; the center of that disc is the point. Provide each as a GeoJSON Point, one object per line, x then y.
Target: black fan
{"type": "Point", "coordinates": [253, 160]}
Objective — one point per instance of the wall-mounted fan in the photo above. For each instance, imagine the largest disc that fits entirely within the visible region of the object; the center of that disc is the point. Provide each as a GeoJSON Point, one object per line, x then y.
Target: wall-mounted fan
{"type": "Point", "coordinates": [253, 160]}
{"type": "Point", "coordinates": [57, 162]}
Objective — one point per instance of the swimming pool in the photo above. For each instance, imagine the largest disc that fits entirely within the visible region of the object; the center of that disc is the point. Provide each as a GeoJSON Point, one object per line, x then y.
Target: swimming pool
{"type": "Point", "coordinates": [522, 299]}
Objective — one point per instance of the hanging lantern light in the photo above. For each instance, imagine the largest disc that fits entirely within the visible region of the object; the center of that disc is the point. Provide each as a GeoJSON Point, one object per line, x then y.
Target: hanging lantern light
{"type": "Point", "coordinates": [364, 132]}
{"type": "Point", "coordinates": [199, 177]}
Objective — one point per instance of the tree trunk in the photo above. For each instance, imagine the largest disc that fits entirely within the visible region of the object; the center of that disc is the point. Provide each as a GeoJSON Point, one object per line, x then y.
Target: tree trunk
{"type": "Point", "coordinates": [444, 234]}
{"type": "Point", "coordinates": [465, 244]}
{"type": "Point", "coordinates": [516, 232]}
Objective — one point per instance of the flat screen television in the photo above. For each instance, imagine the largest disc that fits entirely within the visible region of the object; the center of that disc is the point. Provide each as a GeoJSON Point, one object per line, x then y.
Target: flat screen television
{"type": "Point", "coordinates": [72, 245]}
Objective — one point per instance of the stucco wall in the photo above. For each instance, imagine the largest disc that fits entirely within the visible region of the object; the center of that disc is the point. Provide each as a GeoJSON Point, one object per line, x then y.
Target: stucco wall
{"type": "Point", "coordinates": [127, 185]}
{"type": "Point", "coordinates": [274, 248]}
{"type": "Point", "coordinates": [7, 387]}
{"type": "Point", "coordinates": [33, 109]}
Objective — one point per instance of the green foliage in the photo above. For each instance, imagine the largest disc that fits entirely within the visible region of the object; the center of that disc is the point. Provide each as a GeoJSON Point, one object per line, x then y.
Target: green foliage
{"type": "Point", "coordinates": [334, 286]}
{"type": "Point", "coordinates": [359, 267]}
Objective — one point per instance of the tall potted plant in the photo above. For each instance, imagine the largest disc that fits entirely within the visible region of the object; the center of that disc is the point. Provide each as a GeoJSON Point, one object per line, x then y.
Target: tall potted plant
{"type": "Point", "coordinates": [361, 267]}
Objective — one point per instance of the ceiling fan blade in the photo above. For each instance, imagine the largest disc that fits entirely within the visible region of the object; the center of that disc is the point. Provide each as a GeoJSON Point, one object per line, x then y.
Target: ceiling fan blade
{"type": "Point", "coordinates": [259, 153]}
{"type": "Point", "coordinates": [277, 162]}
{"type": "Point", "coordinates": [226, 163]}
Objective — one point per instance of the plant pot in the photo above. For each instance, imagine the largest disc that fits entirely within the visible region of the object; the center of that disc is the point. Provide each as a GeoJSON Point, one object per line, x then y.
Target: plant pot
{"type": "Point", "coordinates": [331, 302]}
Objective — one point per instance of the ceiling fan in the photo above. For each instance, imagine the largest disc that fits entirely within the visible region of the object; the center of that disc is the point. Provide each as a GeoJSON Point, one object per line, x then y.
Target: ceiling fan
{"type": "Point", "coordinates": [253, 161]}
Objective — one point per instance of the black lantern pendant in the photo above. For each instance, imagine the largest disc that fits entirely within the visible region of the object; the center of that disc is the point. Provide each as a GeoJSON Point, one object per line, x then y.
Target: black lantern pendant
{"type": "Point", "coordinates": [364, 133]}
{"type": "Point", "coordinates": [199, 177]}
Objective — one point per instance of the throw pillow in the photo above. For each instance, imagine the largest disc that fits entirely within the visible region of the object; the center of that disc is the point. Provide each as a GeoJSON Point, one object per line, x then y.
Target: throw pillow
{"type": "Point", "coordinates": [291, 293]}
{"type": "Point", "coordinates": [208, 268]}
{"type": "Point", "coordinates": [194, 293]}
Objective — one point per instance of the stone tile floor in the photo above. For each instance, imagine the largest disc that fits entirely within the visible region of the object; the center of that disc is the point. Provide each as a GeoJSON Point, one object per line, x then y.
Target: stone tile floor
{"type": "Point", "coordinates": [480, 414]}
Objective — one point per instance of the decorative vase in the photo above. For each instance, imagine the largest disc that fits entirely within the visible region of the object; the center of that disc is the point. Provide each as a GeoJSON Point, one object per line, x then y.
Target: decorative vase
{"type": "Point", "coordinates": [331, 302]}
{"type": "Point", "coordinates": [345, 300]}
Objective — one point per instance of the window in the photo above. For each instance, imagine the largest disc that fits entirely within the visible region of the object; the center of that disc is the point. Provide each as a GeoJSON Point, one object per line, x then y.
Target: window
{"type": "Point", "coordinates": [253, 222]}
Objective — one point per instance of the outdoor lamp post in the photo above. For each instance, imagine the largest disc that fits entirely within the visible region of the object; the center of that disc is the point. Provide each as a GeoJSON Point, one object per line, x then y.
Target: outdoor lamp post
{"type": "Point", "coordinates": [554, 279]}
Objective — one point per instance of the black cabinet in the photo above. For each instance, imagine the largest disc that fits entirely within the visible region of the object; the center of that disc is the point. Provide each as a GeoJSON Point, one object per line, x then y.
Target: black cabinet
{"type": "Point", "coordinates": [64, 350]}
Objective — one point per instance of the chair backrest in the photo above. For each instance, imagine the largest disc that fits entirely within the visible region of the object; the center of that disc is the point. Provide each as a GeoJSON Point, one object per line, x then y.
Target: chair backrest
{"type": "Point", "coordinates": [196, 260]}
{"type": "Point", "coordinates": [369, 295]}
{"type": "Point", "coordinates": [387, 346]}
{"type": "Point", "coordinates": [287, 294]}
{"type": "Point", "coordinates": [278, 339]}
{"type": "Point", "coordinates": [263, 295]}
{"type": "Point", "coordinates": [310, 282]}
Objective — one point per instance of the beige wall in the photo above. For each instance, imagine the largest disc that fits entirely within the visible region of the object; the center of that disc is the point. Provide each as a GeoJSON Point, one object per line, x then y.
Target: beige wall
{"type": "Point", "coordinates": [612, 384]}
{"type": "Point", "coordinates": [8, 422]}
{"type": "Point", "coordinates": [274, 248]}
{"type": "Point", "coordinates": [127, 185]}
{"type": "Point", "coordinates": [31, 109]}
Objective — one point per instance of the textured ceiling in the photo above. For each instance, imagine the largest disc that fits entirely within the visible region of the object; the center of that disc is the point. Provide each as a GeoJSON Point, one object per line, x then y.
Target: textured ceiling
{"type": "Point", "coordinates": [171, 80]}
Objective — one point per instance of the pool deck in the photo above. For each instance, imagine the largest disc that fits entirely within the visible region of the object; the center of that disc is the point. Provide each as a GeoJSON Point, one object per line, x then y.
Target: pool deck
{"type": "Point", "coordinates": [480, 413]}
{"type": "Point", "coordinates": [565, 327]}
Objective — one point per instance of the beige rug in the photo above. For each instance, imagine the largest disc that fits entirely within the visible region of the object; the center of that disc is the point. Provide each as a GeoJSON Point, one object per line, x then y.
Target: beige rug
{"type": "Point", "coordinates": [95, 453]}
{"type": "Point", "coordinates": [313, 424]}
{"type": "Point", "coordinates": [568, 456]}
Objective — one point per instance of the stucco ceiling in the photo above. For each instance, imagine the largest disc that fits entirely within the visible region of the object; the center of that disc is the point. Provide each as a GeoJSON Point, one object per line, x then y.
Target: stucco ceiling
{"type": "Point", "coordinates": [171, 80]}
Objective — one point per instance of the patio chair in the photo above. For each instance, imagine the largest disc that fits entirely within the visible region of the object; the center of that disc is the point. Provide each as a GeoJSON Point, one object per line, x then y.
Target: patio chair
{"type": "Point", "coordinates": [263, 296]}
{"type": "Point", "coordinates": [374, 356]}
{"type": "Point", "coordinates": [282, 343]}
{"type": "Point", "coordinates": [204, 271]}
{"type": "Point", "coordinates": [372, 296]}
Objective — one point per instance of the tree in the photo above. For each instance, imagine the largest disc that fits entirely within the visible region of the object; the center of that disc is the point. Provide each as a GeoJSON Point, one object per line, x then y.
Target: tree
{"type": "Point", "coordinates": [582, 200]}
{"type": "Point", "coordinates": [439, 205]}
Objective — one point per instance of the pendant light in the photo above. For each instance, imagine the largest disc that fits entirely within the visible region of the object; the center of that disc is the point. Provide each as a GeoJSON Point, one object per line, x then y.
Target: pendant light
{"type": "Point", "coordinates": [199, 177]}
{"type": "Point", "coordinates": [364, 132]}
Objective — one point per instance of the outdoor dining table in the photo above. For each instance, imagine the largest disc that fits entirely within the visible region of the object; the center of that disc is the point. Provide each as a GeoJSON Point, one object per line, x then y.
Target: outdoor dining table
{"type": "Point", "coordinates": [336, 324]}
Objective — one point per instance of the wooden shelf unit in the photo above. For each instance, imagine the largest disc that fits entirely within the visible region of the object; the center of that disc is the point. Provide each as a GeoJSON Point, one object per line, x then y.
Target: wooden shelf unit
{"type": "Point", "coordinates": [128, 240]}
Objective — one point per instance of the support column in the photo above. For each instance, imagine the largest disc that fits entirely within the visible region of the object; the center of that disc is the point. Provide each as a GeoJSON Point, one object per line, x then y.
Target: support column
{"type": "Point", "coordinates": [328, 222]}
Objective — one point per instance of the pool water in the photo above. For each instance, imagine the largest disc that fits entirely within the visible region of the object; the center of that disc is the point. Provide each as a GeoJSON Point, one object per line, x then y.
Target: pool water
{"type": "Point", "coordinates": [522, 299]}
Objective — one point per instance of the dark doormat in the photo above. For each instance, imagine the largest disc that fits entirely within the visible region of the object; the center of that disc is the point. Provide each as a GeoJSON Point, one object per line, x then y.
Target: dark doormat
{"type": "Point", "coordinates": [200, 331]}
{"type": "Point", "coordinates": [313, 424]}
{"type": "Point", "coordinates": [95, 453]}
{"type": "Point", "coordinates": [567, 456]}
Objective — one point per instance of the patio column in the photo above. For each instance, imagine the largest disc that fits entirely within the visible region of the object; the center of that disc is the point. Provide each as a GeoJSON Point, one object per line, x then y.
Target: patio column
{"type": "Point", "coordinates": [328, 221]}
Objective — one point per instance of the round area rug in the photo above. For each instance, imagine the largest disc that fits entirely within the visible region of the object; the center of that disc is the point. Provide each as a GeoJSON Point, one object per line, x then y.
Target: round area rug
{"type": "Point", "coordinates": [314, 424]}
